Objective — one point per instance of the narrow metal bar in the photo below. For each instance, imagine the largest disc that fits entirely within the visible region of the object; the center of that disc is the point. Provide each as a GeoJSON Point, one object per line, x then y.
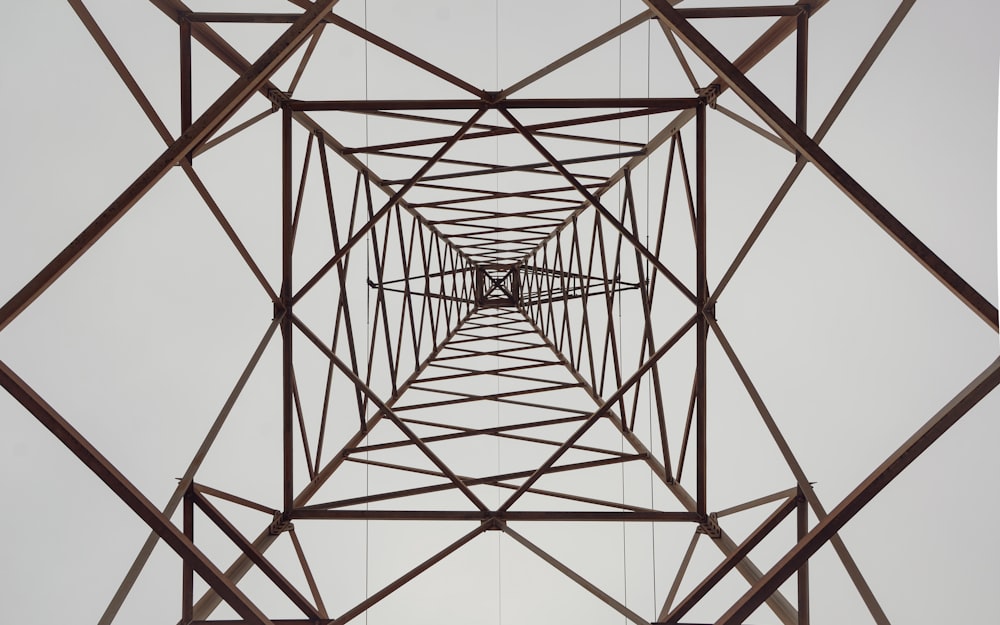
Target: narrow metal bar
{"type": "Point", "coordinates": [307, 572]}
{"type": "Point", "coordinates": [593, 44]}
{"type": "Point", "coordinates": [300, 196]}
{"type": "Point", "coordinates": [679, 577]}
{"type": "Point", "coordinates": [428, 119]}
{"type": "Point", "coordinates": [660, 104]}
{"type": "Point", "coordinates": [680, 56]}
{"type": "Point", "coordinates": [499, 400]}
{"type": "Point", "coordinates": [116, 62]}
{"type": "Point", "coordinates": [306, 57]}
{"type": "Point", "coordinates": [802, 72]}
{"type": "Point", "coordinates": [688, 420]}
{"type": "Point", "coordinates": [576, 577]}
{"type": "Point", "coordinates": [489, 169]}
{"type": "Point", "coordinates": [554, 516]}
{"type": "Point", "coordinates": [391, 48]}
{"type": "Point", "coordinates": [746, 123]}
{"type": "Point", "coordinates": [727, 565]}
{"type": "Point", "coordinates": [701, 429]}
{"type": "Point", "coordinates": [591, 255]}
{"type": "Point", "coordinates": [232, 132]}
{"type": "Point", "coordinates": [257, 558]}
{"type": "Point", "coordinates": [301, 421]}
{"type": "Point", "coordinates": [232, 17]}
{"type": "Point", "coordinates": [287, 381]}
{"type": "Point", "coordinates": [484, 215]}
{"type": "Point", "coordinates": [381, 306]}
{"type": "Point", "coordinates": [202, 489]}
{"type": "Point", "coordinates": [436, 488]}
{"type": "Point", "coordinates": [216, 211]}
{"type": "Point", "coordinates": [499, 431]}
{"type": "Point", "coordinates": [756, 11]}
{"type": "Point", "coordinates": [855, 501]}
{"type": "Point", "coordinates": [187, 571]}
{"type": "Point", "coordinates": [185, 86]}
{"type": "Point", "coordinates": [760, 501]}
{"type": "Point", "coordinates": [802, 575]}
{"type": "Point", "coordinates": [498, 131]}
{"type": "Point", "coordinates": [406, 253]}
{"type": "Point", "coordinates": [406, 577]}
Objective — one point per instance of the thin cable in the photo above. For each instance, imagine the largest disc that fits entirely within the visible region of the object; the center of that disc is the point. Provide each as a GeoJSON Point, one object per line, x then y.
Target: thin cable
{"type": "Point", "coordinates": [649, 395]}
{"type": "Point", "coordinates": [368, 316]}
{"type": "Point", "coordinates": [622, 441]}
{"type": "Point", "coordinates": [496, 178]}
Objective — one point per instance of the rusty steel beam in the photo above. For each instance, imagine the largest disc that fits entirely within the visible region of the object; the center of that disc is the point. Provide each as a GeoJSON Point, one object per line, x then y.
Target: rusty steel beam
{"type": "Point", "coordinates": [654, 104]}
{"type": "Point", "coordinates": [704, 313]}
{"type": "Point", "coordinates": [502, 515]}
{"type": "Point", "coordinates": [759, 11]}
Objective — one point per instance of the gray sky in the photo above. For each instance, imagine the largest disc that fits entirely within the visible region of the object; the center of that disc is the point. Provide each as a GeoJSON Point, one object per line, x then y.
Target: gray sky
{"type": "Point", "coordinates": [852, 345]}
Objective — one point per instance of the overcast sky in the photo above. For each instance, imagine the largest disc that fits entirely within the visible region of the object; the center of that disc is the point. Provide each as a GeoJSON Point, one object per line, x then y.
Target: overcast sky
{"type": "Point", "coordinates": [851, 343]}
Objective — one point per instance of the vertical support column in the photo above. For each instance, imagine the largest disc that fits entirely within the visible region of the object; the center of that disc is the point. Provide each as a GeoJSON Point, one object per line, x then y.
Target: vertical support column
{"type": "Point", "coordinates": [286, 307]}
{"type": "Point", "coordinates": [515, 285]}
{"type": "Point", "coordinates": [185, 62]}
{"type": "Point", "coordinates": [702, 321]}
{"type": "Point", "coordinates": [801, 71]}
{"type": "Point", "coordinates": [480, 285]}
{"type": "Point", "coordinates": [802, 577]}
{"type": "Point", "coordinates": [187, 571]}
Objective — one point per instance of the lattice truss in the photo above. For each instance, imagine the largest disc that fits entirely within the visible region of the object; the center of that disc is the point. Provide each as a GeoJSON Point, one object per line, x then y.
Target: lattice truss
{"type": "Point", "coordinates": [497, 315]}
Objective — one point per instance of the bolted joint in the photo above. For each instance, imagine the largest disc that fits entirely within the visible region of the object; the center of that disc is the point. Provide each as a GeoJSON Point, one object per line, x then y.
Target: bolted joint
{"type": "Point", "coordinates": [279, 524]}
{"type": "Point", "coordinates": [709, 311]}
{"type": "Point", "coordinates": [710, 94]}
{"type": "Point", "coordinates": [710, 527]}
{"type": "Point", "coordinates": [277, 98]}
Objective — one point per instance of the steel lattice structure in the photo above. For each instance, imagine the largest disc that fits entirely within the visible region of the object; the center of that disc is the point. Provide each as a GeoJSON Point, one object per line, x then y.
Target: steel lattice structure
{"type": "Point", "coordinates": [494, 308]}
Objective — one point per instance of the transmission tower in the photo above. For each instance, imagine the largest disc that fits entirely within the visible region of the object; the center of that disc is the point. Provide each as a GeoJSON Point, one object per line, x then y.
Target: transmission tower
{"type": "Point", "coordinates": [504, 365]}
